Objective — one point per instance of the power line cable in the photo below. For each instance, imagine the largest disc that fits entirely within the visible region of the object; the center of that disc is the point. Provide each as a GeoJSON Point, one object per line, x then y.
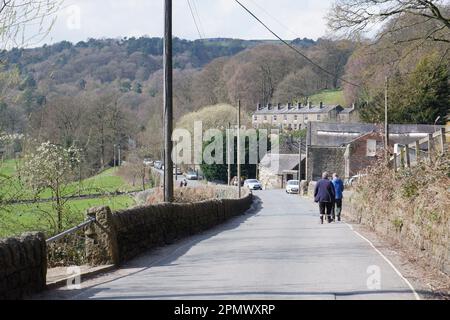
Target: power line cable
{"type": "Point", "coordinates": [275, 19]}
{"type": "Point", "coordinates": [194, 4]}
{"type": "Point", "coordinates": [294, 48]}
{"type": "Point", "coordinates": [195, 21]}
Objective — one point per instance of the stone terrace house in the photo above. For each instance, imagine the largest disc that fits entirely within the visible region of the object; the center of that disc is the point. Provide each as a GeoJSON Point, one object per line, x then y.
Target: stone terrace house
{"type": "Point", "coordinates": [286, 168]}
{"type": "Point", "coordinates": [348, 148]}
{"type": "Point", "coordinates": [295, 117]}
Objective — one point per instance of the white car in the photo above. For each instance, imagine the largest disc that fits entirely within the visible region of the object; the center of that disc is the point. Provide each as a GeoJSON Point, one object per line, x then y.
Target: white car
{"type": "Point", "coordinates": [148, 162]}
{"type": "Point", "coordinates": [292, 186]}
{"type": "Point", "coordinates": [191, 175]}
{"type": "Point", "coordinates": [253, 184]}
{"type": "Point", "coordinates": [158, 164]}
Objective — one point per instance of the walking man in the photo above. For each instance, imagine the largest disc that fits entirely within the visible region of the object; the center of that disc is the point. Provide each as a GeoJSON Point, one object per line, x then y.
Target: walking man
{"type": "Point", "coordinates": [324, 195]}
{"type": "Point", "coordinates": [338, 190]}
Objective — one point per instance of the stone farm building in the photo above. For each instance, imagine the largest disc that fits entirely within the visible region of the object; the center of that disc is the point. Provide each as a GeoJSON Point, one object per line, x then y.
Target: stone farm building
{"type": "Point", "coordinates": [295, 117]}
{"type": "Point", "coordinates": [348, 148]}
{"type": "Point", "coordinates": [344, 148]}
{"type": "Point", "coordinates": [274, 173]}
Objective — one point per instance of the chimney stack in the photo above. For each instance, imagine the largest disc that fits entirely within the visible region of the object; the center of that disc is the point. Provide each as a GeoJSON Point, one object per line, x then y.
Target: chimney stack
{"type": "Point", "coordinates": [321, 104]}
{"type": "Point", "coordinates": [309, 104]}
{"type": "Point", "coordinates": [269, 106]}
{"type": "Point", "coordinates": [299, 105]}
{"type": "Point", "coordinates": [289, 106]}
{"type": "Point", "coordinates": [279, 106]}
{"type": "Point", "coordinates": [258, 107]}
{"type": "Point", "coordinates": [353, 105]}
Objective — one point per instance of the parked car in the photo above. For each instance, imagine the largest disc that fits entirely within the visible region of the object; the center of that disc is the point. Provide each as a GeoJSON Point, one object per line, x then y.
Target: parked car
{"type": "Point", "coordinates": [148, 162]}
{"type": "Point", "coordinates": [292, 186]}
{"type": "Point", "coordinates": [158, 164]}
{"type": "Point", "coordinates": [177, 171]}
{"type": "Point", "coordinates": [353, 180]}
{"type": "Point", "coordinates": [191, 175]}
{"type": "Point", "coordinates": [253, 184]}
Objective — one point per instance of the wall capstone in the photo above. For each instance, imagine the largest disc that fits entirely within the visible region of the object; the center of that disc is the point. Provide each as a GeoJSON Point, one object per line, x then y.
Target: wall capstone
{"type": "Point", "coordinates": [101, 238]}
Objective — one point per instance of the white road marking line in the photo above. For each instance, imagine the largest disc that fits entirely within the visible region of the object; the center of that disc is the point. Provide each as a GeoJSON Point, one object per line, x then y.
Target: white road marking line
{"type": "Point", "coordinates": [416, 295]}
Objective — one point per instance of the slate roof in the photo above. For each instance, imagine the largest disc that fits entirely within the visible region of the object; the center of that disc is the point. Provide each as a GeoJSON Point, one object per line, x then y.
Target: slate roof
{"type": "Point", "coordinates": [338, 134]}
{"type": "Point", "coordinates": [347, 110]}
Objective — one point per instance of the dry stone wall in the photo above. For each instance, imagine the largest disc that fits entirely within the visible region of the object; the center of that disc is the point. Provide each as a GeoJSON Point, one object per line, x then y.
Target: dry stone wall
{"type": "Point", "coordinates": [23, 266]}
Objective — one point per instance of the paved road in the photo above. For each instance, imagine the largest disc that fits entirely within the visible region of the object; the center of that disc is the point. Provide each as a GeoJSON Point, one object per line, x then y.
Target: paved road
{"type": "Point", "coordinates": [278, 251]}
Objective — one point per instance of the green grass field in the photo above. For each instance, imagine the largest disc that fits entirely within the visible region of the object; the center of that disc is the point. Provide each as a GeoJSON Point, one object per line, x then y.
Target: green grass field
{"type": "Point", "coordinates": [329, 97]}
{"type": "Point", "coordinates": [19, 218]}
{"type": "Point", "coordinates": [107, 181]}
{"type": "Point", "coordinates": [16, 219]}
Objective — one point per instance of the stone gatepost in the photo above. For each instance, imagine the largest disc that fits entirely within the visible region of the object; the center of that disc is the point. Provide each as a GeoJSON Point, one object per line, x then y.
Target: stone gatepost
{"type": "Point", "coordinates": [101, 238]}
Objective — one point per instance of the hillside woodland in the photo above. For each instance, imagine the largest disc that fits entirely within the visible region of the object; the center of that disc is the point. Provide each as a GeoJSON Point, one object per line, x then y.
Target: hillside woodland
{"type": "Point", "coordinates": [99, 94]}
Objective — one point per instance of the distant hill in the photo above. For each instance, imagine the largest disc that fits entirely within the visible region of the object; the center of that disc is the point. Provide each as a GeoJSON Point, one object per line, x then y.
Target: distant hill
{"type": "Point", "coordinates": [186, 53]}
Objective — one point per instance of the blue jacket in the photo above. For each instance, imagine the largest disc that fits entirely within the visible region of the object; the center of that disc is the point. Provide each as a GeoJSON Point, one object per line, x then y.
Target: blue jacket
{"type": "Point", "coordinates": [338, 188]}
{"type": "Point", "coordinates": [324, 191]}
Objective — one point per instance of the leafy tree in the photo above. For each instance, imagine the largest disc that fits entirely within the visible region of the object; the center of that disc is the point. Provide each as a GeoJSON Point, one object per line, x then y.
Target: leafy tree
{"type": "Point", "coordinates": [219, 172]}
{"type": "Point", "coordinates": [417, 97]}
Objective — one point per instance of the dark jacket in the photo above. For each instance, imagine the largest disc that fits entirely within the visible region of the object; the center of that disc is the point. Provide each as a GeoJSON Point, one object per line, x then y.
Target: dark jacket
{"type": "Point", "coordinates": [324, 191]}
{"type": "Point", "coordinates": [338, 188]}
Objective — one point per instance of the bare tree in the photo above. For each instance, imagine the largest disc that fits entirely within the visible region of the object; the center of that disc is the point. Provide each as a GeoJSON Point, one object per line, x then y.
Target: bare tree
{"type": "Point", "coordinates": [357, 16]}
{"type": "Point", "coordinates": [16, 16]}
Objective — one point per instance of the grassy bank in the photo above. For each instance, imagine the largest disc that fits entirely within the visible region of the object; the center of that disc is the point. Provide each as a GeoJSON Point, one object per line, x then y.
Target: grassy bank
{"type": "Point", "coordinates": [329, 97]}
{"type": "Point", "coordinates": [19, 218]}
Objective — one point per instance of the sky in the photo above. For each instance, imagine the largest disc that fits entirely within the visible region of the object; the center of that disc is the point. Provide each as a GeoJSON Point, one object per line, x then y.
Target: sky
{"type": "Point", "coordinates": [79, 20]}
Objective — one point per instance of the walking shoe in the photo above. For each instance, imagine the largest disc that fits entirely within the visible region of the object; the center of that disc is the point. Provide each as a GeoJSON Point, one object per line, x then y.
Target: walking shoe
{"type": "Point", "coordinates": [321, 220]}
{"type": "Point", "coordinates": [339, 218]}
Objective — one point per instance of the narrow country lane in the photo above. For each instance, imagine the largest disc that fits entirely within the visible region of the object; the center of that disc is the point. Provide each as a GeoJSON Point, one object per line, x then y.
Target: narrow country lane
{"type": "Point", "coordinates": [278, 251]}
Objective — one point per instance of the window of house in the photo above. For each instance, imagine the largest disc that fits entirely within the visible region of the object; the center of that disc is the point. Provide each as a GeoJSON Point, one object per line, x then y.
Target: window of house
{"type": "Point", "coordinates": [318, 117]}
{"type": "Point", "coordinates": [296, 117]}
{"type": "Point", "coordinates": [265, 117]}
{"type": "Point", "coordinates": [285, 117]}
{"type": "Point", "coordinates": [274, 118]}
{"type": "Point", "coordinates": [255, 118]}
{"type": "Point", "coordinates": [371, 148]}
{"type": "Point", "coordinates": [306, 118]}
{"type": "Point", "coordinates": [295, 126]}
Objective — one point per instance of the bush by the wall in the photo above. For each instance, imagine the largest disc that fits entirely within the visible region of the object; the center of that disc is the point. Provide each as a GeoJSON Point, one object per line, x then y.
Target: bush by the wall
{"type": "Point", "coordinates": [410, 206]}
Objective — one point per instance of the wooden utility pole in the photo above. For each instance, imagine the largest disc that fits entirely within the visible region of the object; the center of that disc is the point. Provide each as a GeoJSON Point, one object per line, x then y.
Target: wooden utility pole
{"type": "Point", "coordinates": [114, 156]}
{"type": "Point", "coordinates": [229, 154]}
{"type": "Point", "coordinates": [417, 151]}
{"type": "Point", "coordinates": [299, 164]}
{"type": "Point", "coordinates": [408, 159]}
{"type": "Point", "coordinates": [442, 140]}
{"type": "Point", "coordinates": [239, 148]}
{"type": "Point", "coordinates": [386, 125]}
{"type": "Point", "coordinates": [168, 102]}
{"type": "Point", "coordinates": [119, 156]}
{"type": "Point", "coordinates": [430, 147]}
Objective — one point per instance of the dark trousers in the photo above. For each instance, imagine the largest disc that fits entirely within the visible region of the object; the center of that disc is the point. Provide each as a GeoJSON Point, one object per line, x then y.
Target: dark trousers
{"type": "Point", "coordinates": [337, 208]}
{"type": "Point", "coordinates": [325, 208]}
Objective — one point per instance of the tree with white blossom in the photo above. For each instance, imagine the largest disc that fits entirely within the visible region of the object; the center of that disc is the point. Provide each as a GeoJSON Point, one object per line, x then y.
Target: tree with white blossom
{"type": "Point", "coordinates": [52, 167]}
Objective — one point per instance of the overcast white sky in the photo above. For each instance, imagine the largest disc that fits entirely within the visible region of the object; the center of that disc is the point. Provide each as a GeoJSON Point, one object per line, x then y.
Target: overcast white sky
{"type": "Point", "coordinates": [82, 19]}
